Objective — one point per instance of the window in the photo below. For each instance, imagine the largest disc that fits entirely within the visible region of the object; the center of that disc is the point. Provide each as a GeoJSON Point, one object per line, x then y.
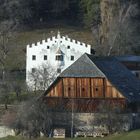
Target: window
{"type": "Point", "coordinates": [45, 70]}
{"type": "Point", "coordinates": [96, 89]}
{"type": "Point", "coordinates": [45, 57]}
{"type": "Point", "coordinates": [33, 57]}
{"type": "Point", "coordinates": [33, 70]}
{"type": "Point", "coordinates": [72, 58]}
{"type": "Point", "coordinates": [68, 47]}
{"type": "Point", "coordinates": [48, 47]}
{"type": "Point", "coordinates": [69, 89]}
{"type": "Point", "coordinates": [83, 89]}
{"type": "Point", "coordinates": [58, 70]}
{"type": "Point", "coordinates": [59, 57]}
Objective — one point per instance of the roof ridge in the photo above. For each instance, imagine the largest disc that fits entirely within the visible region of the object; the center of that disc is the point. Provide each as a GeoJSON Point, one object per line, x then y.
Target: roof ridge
{"type": "Point", "coordinates": [87, 55]}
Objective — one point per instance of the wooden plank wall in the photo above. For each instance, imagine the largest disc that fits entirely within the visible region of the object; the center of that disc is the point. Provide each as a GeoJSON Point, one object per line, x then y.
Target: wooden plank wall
{"type": "Point", "coordinates": [84, 88]}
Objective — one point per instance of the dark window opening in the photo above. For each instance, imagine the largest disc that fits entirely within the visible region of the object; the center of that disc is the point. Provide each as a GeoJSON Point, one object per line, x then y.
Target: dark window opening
{"type": "Point", "coordinates": [48, 47]}
{"type": "Point", "coordinates": [72, 58]}
{"type": "Point", "coordinates": [69, 89]}
{"type": "Point", "coordinates": [68, 47]}
{"type": "Point", "coordinates": [83, 89]}
{"type": "Point", "coordinates": [96, 89]}
{"type": "Point", "coordinates": [33, 70]}
{"type": "Point", "coordinates": [92, 51]}
{"type": "Point", "coordinates": [59, 57]}
{"type": "Point", "coordinates": [58, 70]}
{"type": "Point", "coordinates": [45, 70]}
{"type": "Point", "coordinates": [45, 57]}
{"type": "Point", "coordinates": [33, 57]}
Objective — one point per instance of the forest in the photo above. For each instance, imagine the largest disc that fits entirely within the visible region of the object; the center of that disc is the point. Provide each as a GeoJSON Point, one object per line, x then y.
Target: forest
{"type": "Point", "coordinates": [35, 11]}
{"type": "Point", "coordinates": [113, 24]}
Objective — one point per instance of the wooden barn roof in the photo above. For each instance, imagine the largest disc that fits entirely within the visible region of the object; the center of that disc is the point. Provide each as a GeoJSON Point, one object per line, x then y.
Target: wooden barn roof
{"type": "Point", "coordinates": [105, 67]}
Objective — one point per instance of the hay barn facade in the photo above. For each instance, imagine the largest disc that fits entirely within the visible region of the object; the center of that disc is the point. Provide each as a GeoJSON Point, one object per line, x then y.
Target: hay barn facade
{"type": "Point", "coordinates": [90, 80]}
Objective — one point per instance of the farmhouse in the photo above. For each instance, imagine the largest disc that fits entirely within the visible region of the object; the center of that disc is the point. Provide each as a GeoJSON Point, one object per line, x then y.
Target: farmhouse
{"type": "Point", "coordinates": [92, 79]}
{"type": "Point", "coordinates": [57, 52]}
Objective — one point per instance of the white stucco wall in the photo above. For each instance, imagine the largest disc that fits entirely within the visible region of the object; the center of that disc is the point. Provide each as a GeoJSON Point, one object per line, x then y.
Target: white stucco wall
{"type": "Point", "coordinates": [55, 43]}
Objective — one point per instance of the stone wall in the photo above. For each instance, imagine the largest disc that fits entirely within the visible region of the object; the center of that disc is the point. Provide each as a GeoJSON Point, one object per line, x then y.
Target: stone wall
{"type": "Point", "coordinates": [85, 121]}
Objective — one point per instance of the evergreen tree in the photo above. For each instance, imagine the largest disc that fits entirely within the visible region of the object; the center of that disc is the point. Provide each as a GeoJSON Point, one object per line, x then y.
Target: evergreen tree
{"type": "Point", "coordinates": [91, 12]}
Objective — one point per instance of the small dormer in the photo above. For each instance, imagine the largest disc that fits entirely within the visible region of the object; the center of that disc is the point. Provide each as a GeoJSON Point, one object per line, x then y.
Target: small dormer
{"type": "Point", "coordinates": [59, 55]}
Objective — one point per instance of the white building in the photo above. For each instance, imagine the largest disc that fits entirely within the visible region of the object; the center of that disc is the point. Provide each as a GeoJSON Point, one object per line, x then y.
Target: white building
{"type": "Point", "coordinates": [58, 52]}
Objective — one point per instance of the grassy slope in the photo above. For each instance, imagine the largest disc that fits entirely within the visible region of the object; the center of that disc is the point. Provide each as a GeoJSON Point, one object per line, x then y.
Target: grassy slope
{"type": "Point", "coordinates": [134, 135]}
{"type": "Point", "coordinates": [22, 38]}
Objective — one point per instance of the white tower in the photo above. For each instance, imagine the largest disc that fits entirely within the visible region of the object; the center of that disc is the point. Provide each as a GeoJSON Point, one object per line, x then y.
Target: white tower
{"type": "Point", "coordinates": [59, 52]}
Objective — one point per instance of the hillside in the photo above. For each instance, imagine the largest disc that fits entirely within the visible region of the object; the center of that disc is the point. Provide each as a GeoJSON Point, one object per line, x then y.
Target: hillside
{"type": "Point", "coordinates": [22, 38]}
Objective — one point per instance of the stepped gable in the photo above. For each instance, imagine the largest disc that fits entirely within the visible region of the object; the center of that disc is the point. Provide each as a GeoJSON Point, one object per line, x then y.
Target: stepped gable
{"type": "Point", "coordinates": [58, 37]}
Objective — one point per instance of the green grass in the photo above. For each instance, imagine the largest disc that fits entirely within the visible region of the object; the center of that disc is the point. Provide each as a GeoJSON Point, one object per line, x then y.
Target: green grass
{"type": "Point", "coordinates": [134, 135]}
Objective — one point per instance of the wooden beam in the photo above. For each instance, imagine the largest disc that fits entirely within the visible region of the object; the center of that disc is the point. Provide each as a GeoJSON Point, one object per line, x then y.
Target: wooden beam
{"type": "Point", "coordinates": [62, 88]}
{"type": "Point", "coordinates": [90, 88]}
{"type": "Point", "coordinates": [104, 87]}
{"type": "Point", "coordinates": [76, 87]}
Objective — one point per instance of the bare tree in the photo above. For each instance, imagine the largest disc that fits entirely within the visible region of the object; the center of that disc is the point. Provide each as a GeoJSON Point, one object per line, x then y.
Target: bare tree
{"type": "Point", "coordinates": [121, 29]}
{"type": "Point", "coordinates": [5, 89]}
{"type": "Point", "coordinates": [31, 118]}
{"type": "Point", "coordinates": [6, 28]}
{"type": "Point", "coordinates": [119, 36]}
{"type": "Point", "coordinates": [18, 87]}
{"type": "Point", "coordinates": [42, 77]}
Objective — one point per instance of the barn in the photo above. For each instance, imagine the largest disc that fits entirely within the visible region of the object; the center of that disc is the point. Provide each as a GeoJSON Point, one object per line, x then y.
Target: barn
{"type": "Point", "coordinates": [93, 79]}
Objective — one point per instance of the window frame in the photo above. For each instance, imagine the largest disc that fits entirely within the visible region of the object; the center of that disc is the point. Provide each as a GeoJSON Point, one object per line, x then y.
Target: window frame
{"type": "Point", "coordinates": [58, 70]}
{"type": "Point", "coordinates": [72, 57]}
{"type": "Point", "coordinates": [33, 57]}
{"type": "Point", "coordinates": [45, 57]}
{"type": "Point", "coordinates": [59, 58]}
{"type": "Point", "coordinates": [33, 70]}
